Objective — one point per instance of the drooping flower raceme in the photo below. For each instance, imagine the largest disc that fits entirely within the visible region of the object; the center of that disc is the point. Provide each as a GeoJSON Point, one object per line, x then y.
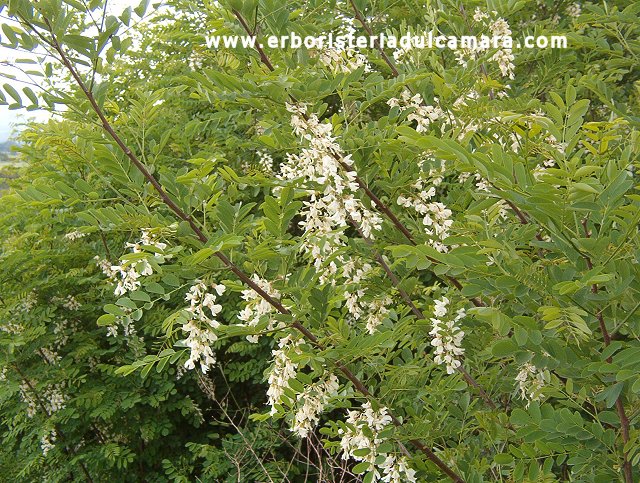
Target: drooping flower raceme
{"type": "Point", "coordinates": [282, 370]}
{"type": "Point", "coordinates": [74, 235]}
{"type": "Point", "coordinates": [574, 10]}
{"type": "Point", "coordinates": [343, 60]}
{"type": "Point", "coordinates": [202, 324]}
{"type": "Point", "coordinates": [332, 203]}
{"type": "Point", "coordinates": [372, 311]}
{"type": "Point", "coordinates": [311, 404]}
{"type": "Point", "coordinates": [530, 381]}
{"type": "Point", "coordinates": [355, 438]}
{"type": "Point", "coordinates": [47, 442]}
{"type": "Point", "coordinates": [498, 29]}
{"type": "Point", "coordinates": [126, 275]}
{"type": "Point", "coordinates": [447, 335]}
{"type": "Point", "coordinates": [257, 306]}
{"type": "Point", "coordinates": [377, 311]}
{"type": "Point", "coordinates": [436, 216]}
{"type": "Point", "coordinates": [421, 113]}
{"type": "Point", "coordinates": [51, 400]}
{"type": "Point", "coordinates": [354, 275]}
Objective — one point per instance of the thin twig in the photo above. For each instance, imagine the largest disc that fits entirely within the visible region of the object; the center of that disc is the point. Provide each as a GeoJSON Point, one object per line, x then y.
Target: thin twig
{"type": "Point", "coordinates": [622, 415]}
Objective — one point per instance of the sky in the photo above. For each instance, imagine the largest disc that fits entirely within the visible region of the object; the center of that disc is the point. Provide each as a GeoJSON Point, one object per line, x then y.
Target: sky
{"type": "Point", "coordinates": [10, 119]}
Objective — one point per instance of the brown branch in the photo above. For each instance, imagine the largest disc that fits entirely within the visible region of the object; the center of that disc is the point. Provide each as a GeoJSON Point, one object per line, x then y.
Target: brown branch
{"type": "Point", "coordinates": [622, 415]}
{"type": "Point", "coordinates": [366, 27]}
{"type": "Point", "coordinates": [106, 247]}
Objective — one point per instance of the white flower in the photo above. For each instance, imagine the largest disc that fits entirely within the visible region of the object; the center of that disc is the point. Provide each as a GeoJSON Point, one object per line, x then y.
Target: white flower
{"type": "Point", "coordinates": [354, 438]}
{"type": "Point", "coordinates": [29, 301]}
{"type": "Point", "coordinates": [530, 381]}
{"type": "Point", "coordinates": [332, 189]}
{"type": "Point", "coordinates": [50, 356]}
{"type": "Point", "coordinates": [257, 306]}
{"type": "Point", "coordinates": [283, 370]}
{"type": "Point", "coordinates": [447, 336]}
{"type": "Point", "coordinates": [126, 275]}
{"type": "Point", "coordinates": [74, 235]}
{"type": "Point", "coordinates": [500, 28]}
{"type": "Point", "coordinates": [436, 216]}
{"type": "Point", "coordinates": [51, 400]}
{"type": "Point", "coordinates": [397, 470]}
{"type": "Point", "coordinates": [574, 10]}
{"type": "Point", "coordinates": [47, 442]}
{"type": "Point", "coordinates": [200, 328]}
{"type": "Point", "coordinates": [479, 15]}
{"type": "Point", "coordinates": [70, 303]}
{"type": "Point", "coordinates": [504, 58]}
{"type": "Point", "coordinates": [265, 161]}
{"type": "Point", "coordinates": [422, 114]}
{"type": "Point", "coordinates": [314, 399]}
{"type": "Point", "coordinates": [343, 60]}
{"type": "Point", "coordinates": [377, 311]}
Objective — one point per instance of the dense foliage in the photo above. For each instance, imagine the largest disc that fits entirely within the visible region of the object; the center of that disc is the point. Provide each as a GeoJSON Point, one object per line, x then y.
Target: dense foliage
{"type": "Point", "coordinates": [331, 265]}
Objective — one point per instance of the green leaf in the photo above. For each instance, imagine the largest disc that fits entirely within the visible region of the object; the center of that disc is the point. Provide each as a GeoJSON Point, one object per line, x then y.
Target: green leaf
{"type": "Point", "coordinates": [503, 459]}
{"type": "Point", "coordinates": [106, 319]}
{"type": "Point", "coordinates": [504, 348]}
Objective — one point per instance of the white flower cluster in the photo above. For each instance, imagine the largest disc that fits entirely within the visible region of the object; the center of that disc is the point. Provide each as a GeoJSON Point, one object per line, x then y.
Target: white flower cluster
{"type": "Point", "coordinates": [354, 276]}
{"type": "Point", "coordinates": [314, 399]}
{"type": "Point", "coordinates": [51, 357]}
{"type": "Point", "coordinates": [436, 216]}
{"type": "Point", "coordinates": [556, 148]}
{"type": "Point", "coordinates": [498, 28]}
{"type": "Point", "coordinates": [283, 370]}
{"type": "Point", "coordinates": [128, 327]}
{"type": "Point", "coordinates": [61, 329]}
{"type": "Point", "coordinates": [503, 57]}
{"type": "Point", "coordinates": [498, 211]}
{"type": "Point", "coordinates": [421, 113]}
{"type": "Point", "coordinates": [530, 381]}
{"type": "Point", "coordinates": [344, 60]}
{"type": "Point", "coordinates": [574, 10]}
{"type": "Point", "coordinates": [334, 204]}
{"type": "Point", "coordinates": [47, 442]}
{"type": "Point", "coordinates": [200, 327]}
{"type": "Point", "coordinates": [374, 311]}
{"type": "Point", "coordinates": [127, 274]}
{"type": "Point", "coordinates": [26, 396]}
{"type": "Point", "coordinates": [29, 301]}
{"type": "Point", "coordinates": [402, 52]}
{"type": "Point", "coordinates": [74, 235]}
{"type": "Point", "coordinates": [257, 307]}
{"type": "Point", "coordinates": [447, 336]}
{"type": "Point", "coordinates": [393, 469]}
{"type": "Point", "coordinates": [397, 470]}
{"type": "Point", "coordinates": [69, 302]}
{"type": "Point", "coordinates": [377, 311]}
{"type": "Point", "coordinates": [52, 398]}
{"type": "Point", "coordinates": [481, 183]}
{"type": "Point", "coordinates": [265, 161]}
